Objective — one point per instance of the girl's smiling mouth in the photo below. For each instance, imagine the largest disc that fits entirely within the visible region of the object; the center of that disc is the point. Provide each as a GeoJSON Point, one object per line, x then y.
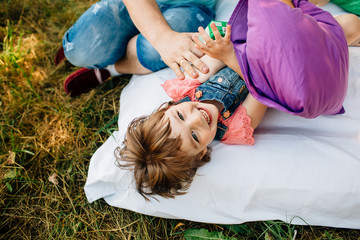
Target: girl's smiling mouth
{"type": "Point", "coordinates": [206, 114]}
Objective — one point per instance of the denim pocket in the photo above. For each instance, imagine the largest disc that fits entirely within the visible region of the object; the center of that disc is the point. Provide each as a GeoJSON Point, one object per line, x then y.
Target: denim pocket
{"type": "Point", "coordinates": [222, 80]}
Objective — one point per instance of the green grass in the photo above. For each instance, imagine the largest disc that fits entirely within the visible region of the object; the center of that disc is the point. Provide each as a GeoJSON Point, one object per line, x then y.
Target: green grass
{"type": "Point", "coordinates": [47, 139]}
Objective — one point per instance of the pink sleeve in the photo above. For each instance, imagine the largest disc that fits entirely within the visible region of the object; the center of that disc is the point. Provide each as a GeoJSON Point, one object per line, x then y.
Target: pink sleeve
{"type": "Point", "coordinates": [178, 89]}
{"type": "Point", "coordinates": [239, 130]}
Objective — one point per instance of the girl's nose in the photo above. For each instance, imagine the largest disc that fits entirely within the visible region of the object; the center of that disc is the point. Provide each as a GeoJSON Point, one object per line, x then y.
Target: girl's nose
{"type": "Point", "coordinates": [195, 120]}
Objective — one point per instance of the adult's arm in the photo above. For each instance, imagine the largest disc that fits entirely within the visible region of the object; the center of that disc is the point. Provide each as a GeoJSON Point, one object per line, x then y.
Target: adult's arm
{"type": "Point", "coordinates": [172, 46]}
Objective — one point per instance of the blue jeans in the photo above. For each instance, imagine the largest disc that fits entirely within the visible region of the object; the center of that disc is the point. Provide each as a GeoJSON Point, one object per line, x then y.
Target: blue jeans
{"type": "Point", "coordinates": [100, 36]}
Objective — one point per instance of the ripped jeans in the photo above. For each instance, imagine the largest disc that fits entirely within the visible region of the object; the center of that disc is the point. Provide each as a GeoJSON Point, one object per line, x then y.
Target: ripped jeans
{"type": "Point", "coordinates": [100, 36]}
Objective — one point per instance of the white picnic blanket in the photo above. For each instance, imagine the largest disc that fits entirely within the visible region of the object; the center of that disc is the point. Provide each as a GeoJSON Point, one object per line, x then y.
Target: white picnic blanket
{"type": "Point", "coordinates": [303, 171]}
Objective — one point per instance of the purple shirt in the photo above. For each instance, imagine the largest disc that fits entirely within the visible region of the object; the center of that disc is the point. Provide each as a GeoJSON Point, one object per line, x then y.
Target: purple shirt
{"type": "Point", "coordinates": [293, 59]}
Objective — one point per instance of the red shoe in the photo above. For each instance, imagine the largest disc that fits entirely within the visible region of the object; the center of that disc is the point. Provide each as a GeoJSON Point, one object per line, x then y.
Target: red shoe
{"type": "Point", "coordinates": [84, 79]}
{"type": "Point", "coordinates": [60, 56]}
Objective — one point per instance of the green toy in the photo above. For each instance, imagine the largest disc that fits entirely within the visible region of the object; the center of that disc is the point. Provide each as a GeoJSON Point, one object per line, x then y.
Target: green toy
{"type": "Point", "coordinates": [221, 26]}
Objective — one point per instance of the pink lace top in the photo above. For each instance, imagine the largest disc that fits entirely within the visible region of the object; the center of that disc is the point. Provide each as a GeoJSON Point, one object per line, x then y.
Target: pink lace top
{"type": "Point", "coordinates": [239, 128]}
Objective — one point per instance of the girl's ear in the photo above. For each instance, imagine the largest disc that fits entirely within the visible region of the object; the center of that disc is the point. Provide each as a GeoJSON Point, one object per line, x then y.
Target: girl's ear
{"type": "Point", "coordinates": [203, 152]}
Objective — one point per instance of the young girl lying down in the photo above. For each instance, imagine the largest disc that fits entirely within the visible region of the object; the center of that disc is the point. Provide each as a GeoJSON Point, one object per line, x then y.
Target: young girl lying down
{"type": "Point", "coordinates": [165, 149]}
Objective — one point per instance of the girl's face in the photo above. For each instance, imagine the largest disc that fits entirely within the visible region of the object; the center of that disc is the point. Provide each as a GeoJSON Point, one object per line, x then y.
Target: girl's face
{"type": "Point", "coordinates": [195, 123]}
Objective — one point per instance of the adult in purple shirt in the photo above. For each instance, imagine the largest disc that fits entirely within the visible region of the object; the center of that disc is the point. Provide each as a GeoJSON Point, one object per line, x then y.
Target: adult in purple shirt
{"type": "Point", "coordinates": [292, 55]}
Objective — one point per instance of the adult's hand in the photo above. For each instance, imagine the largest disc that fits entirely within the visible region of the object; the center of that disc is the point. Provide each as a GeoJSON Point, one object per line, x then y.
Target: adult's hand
{"type": "Point", "coordinates": [178, 50]}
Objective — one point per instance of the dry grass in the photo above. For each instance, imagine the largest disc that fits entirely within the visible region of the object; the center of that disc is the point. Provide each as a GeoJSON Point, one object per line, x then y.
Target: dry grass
{"type": "Point", "coordinates": [47, 139]}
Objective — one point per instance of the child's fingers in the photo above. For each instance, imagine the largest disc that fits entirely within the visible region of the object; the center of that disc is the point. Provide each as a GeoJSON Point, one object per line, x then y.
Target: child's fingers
{"type": "Point", "coordinates": [204, 35]}
{"type": "Point", "coordinates": [228, 33]}
{"type": "Point", "coordinates": [216, 32]}
{"type": "Point", "coordinates": [199, 44]}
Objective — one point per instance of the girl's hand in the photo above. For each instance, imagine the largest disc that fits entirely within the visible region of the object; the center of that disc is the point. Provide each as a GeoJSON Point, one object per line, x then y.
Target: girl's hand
{"type": "Point", "coordinates": [221, 48]}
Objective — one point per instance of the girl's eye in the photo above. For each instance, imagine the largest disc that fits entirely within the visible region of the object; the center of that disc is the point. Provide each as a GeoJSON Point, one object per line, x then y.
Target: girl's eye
{"type": "Point", "coordinates": [180, 116]}
{"type": "Point", "coordinates": [194, 136]}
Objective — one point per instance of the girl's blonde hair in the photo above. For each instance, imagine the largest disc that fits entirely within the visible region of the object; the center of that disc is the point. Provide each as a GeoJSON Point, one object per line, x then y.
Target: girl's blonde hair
{"type": "Point", "coordinates": [159, 166]}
